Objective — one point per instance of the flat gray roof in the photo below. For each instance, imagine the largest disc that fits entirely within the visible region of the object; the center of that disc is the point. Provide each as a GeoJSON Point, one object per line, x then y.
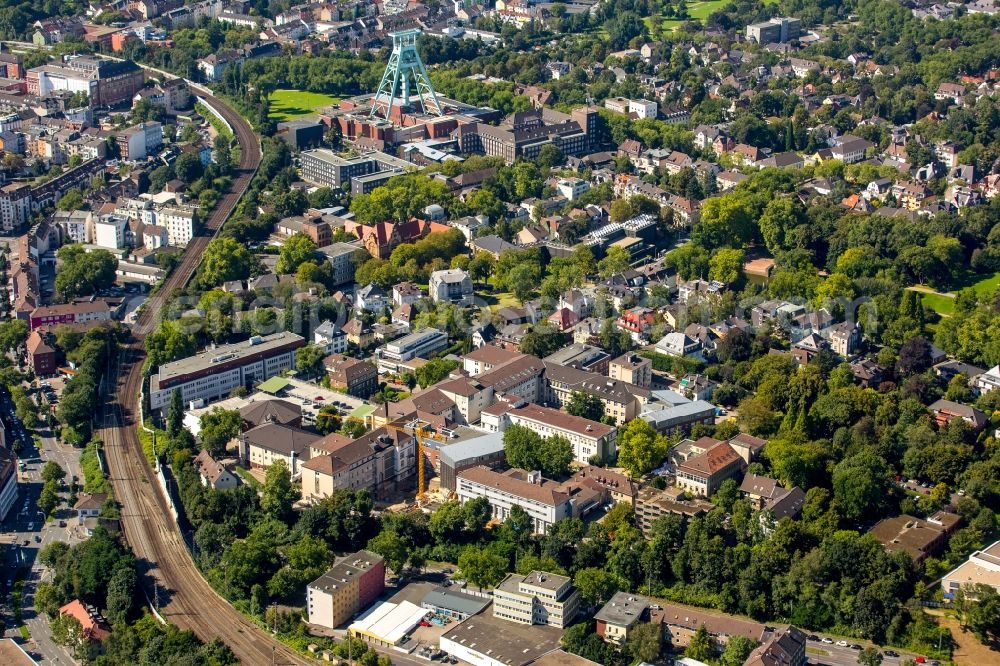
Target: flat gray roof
{"type": "Point", "coordinates": [623, 609]}
{"type": "Point", "coordinates": [453, 600]}
{"type": "Point", "coordinates": [507, 642]}
{"type": "Point", "coordinates": [337, 249]}
{"type": "Point", "coordinates": [453, 454]}
{"type": "Point", "coordinates": [207, 358]}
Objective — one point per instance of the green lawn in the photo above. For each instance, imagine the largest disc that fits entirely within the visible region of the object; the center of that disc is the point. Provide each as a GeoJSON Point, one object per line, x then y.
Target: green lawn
{"type": "Point", "coordinates": [697, 11]}
{"type": "Point", "coordinates": [940, 303]}
{"type": "Point", "coordinates": [291, 104]}
{"type": "Point", "coordinates": [987, 284]}
{"type": "Point", "coordinates": [944, 303]}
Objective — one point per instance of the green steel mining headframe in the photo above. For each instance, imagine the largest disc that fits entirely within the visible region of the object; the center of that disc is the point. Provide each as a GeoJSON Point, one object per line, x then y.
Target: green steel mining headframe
{"type": "Point", "coordinates": [404, 68]}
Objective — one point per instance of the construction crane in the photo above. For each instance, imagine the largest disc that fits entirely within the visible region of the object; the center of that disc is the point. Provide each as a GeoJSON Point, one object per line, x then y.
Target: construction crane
{"type": "Point", "coordinates": [418, 429]}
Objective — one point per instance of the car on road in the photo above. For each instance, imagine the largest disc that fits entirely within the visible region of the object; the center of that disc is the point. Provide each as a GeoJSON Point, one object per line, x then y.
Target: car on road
{"type": "Point", "coordinates": [812, 637]}
{"type": "Point", "coordinates": [828, 641]}
{"type": "Point", "coordinates": [920, 660]}
{"type": "Point", "coordinates": [855, 646]}
{"type": "Point", "coordinates": [890, 653]}
{"type": "Point", "coordinates": [842, 644]}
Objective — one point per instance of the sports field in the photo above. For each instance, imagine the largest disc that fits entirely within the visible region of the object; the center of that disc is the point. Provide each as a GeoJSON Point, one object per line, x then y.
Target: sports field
{"type": "Point", "coordinates": [292, 104]}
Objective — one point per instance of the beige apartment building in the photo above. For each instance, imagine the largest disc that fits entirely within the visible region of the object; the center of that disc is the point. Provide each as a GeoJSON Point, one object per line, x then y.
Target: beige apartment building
{"type": "Point", "coordinates": [633, 369]}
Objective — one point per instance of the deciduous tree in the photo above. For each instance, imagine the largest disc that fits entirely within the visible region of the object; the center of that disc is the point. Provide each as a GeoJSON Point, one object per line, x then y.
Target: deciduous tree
{"type": "Point", "coordinates": [640, 448]}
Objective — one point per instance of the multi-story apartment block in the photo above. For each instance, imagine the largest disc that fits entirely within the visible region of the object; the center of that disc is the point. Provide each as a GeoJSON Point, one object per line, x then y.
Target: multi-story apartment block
{"type": "Point", "coordinates": [180, 223]}
{"type": "Point", "coordinates": [110, 231]}
{"type": "Point", "coordinates": [8, 478]}
{"type": "Point", "coordinates": [70, 313]}
{"type": "Point", "coordinates": [383, 461]}
{"type": "Point", "coordinates": [342, 258]}
{"type": "Point", "coordinates": [621, 401]}
{"type": "Point", "coordinates": [589, 438]}
{"type": "Point", "coordinates": [651, 504]}
{"type": "Point", "coordinates": [422, 343]}
{"type": "Point", "coordinates": [544, 500]}
{"type": "Point", "coordinates": [76, 225]}
{"type": "Point", "coordinates": [214, 373]}
{"type": "Point", "coordinates": [352, 584]}
{"type": "Point", "coordinates": [633, 369]}
{"type": "Point", "coordinates": [15, 206]}
{"type": "Point", "coordinates": [136, 143]}
{"type": "Point", "coordinates": [357, 377]}
{"type": "Point", "coordinates": [538, 598]}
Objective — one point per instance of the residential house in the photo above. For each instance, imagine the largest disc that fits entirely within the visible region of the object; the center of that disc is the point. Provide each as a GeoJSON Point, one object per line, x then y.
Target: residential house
{"type": "Point", "coordinates": [850, 149]}
{"type": "Point", "coordinates": [637, 322]}
{"type": "Point", "coordinates": [867, 373]}
{"type": "Point", "coordinates": [619, 615]}
{"type": "Point", "coordinates": [93, 626]}
{"type": "Point", "coordinates": [213, 473]}
{"type": "Point", "coordinates": [678, 344]}
{"type": "Point", "coordinates": [371, 298]}
{"type": "Point", "coordinates": [785, 647]}
{"type": "Point", "coordinates": [451, 286]}
{"type": "Point", "coordinates": [845, 338]}
{"type": "Point", "coordinates": [989, 380]}
{"type": "Point", "coordinates": [264, 445]}
{"type": "Point", "coordinates": [946, 410]}
{"type": "Point", "coordinates": [89, 505]}
{"type": "Point", "coordinates": [354, 376]}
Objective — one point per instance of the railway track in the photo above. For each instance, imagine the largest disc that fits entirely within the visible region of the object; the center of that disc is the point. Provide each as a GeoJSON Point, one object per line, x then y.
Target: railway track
{"type": "Point", "coordinates": [186, 599]}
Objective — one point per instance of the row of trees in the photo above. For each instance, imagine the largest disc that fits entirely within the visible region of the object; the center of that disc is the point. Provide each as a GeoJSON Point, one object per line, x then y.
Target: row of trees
{"type": "Point", "coordinates": [93, 355]}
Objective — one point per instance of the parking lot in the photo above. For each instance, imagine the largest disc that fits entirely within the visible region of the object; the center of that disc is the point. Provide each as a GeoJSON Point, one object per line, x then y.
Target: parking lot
{"type": "Point", "coordinates": [425, 639]}
{"type": "Point", "coordinates": [25, 532]}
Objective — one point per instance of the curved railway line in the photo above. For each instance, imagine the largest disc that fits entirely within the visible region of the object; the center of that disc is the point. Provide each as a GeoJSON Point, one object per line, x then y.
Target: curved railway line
{"type": "Point", "coordinates": [187, 599]}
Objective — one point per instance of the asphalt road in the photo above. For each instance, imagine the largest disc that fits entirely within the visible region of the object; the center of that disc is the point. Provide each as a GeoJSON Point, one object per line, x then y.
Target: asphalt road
{"type": "Point", "coordinates": [25, 533]}
{"type": "Point", "coordinates": [835, 655]}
